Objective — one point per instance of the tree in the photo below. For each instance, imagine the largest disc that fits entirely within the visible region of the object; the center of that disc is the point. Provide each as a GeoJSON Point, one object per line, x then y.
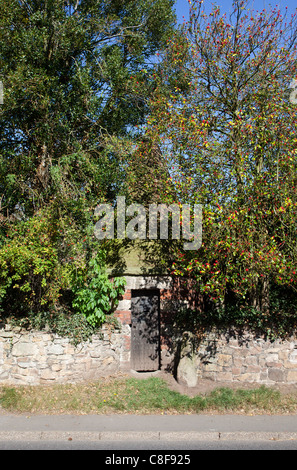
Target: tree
{"type": "Point", "coordinates": [69, 73]}
{"type": "Point", "coordinates": [71, 110]}
{"type": "Point", "coordinates": [229, 131]}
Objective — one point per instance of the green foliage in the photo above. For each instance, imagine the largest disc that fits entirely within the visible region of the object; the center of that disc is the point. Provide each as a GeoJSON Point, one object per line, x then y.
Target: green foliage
{"type": "Point", "coordinates": [229, 139]}
{"type": "Point", "coordinates": [278, 321]}
{"type": "Point", "coordinates": [95, 295]}
{"type": "Point", "coordinates": [72, 325]}
{"type": "Point", "coordinates": [47, 280]}
{"type": "Point", "coordinates": [80, 92]}
{"type": "Point", "coordinates": [71, 73]}
{"type": "Point", "coordinates": [30, 273]}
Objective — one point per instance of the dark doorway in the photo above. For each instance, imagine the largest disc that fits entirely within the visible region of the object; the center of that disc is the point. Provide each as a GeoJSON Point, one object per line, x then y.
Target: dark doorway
{"type": "Point", "coordinates": [145, 330]}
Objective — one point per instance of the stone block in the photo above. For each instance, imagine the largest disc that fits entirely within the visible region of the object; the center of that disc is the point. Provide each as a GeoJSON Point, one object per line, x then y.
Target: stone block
{"type": "Point", "coordinates": [96, 353]}
{"type": "Point", "coordinates": [24, 364]}
{"type": "Point", "coordinates": [212, 367]}
{"type": "Point", "coordinates": [225, 377]}
{"type": "Point", "coordinates": [47, 374]}
{"type": "Point", "coordinates": [46, 337]}
{"type": "Point", "coordinates": [186, 371]}
{"type": "Point", "coordinates": [124, 304]}
{"type": "Point", "coordinates": [108, 360]}
{"type": "Point", "coordinates": [236, 370]}
{"type": "Point", "coordinates": [271, 358]}
{"type": "Point", "coordinates": [248, 377]}
{"type": "Point", "coordinates": [276, 375]}
{"type": "Point", "coordinates": [224, 360]}
{"type": "Point", "coordinates": [238, 361]}
{"type": "Point", "coordinates": [293, 356]}
{"type": "Point", "coordinates": [283, 355]}
{"type": "Point", "coordinates": [24, 349]}
{"type": "Point", "coordinates": [251, 360]}
{"type": "Point", "coordinates": [292, 376]}
{"type": "Point", "coordinates": [290, 365]}
{"type": "Point", "coordinates": [210, 376]}
{"type": "Point", "coordinates": [29, 372]}
{"type": "Point", "coordinates": [55, 349]}
{"type": "Point", "coordinates": [56, 367]}
{"type": "Point", "coordinates": [148, 282]}
{"type": "Point", "coordinates": [263, 376]}
{"type": "Point", "coordinates": [6, 334]}
{"type": "Point", "coordinates": [252, 369]}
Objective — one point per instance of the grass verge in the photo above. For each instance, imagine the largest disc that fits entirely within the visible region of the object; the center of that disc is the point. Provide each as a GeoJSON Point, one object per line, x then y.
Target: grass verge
{"type": "Point", "coordinates": [140, 396]}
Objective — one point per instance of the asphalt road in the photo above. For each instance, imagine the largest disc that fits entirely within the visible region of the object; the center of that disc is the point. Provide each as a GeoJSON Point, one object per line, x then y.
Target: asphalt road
{"type": "Point", "coordinates": [148, 432]}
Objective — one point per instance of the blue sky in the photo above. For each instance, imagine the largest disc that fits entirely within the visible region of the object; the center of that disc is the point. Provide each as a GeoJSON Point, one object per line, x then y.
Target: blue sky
{"type": "Point", "coordinates": [182, 6]}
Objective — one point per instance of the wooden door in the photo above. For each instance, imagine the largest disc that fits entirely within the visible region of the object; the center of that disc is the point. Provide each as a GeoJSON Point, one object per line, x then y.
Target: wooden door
{"type": "Point", "coordinates": [145, 331]}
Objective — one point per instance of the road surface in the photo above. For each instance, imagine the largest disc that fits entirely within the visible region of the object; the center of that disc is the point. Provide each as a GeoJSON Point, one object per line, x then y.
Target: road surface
{"type": "Point", "coordinates": [148, 432]}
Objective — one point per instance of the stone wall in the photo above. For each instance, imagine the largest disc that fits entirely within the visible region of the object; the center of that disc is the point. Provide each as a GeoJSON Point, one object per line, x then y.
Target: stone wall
{"type": "Point", "coordinates": [32, 357]}
{"type": "Point", "coordinates": [229, 356]}
{"type": "Point", "coordinates": [222, 356]}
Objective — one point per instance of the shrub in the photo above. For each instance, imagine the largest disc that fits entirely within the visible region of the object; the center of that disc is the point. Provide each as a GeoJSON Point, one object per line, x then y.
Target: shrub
{"type": "Point", "coordinates": [30, 273]}
{"type": "Point", "coordinates": [95, 295]}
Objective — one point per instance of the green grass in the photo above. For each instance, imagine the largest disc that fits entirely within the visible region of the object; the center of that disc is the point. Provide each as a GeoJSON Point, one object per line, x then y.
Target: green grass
{"type": "Point", "coordinates": [140, 396]}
